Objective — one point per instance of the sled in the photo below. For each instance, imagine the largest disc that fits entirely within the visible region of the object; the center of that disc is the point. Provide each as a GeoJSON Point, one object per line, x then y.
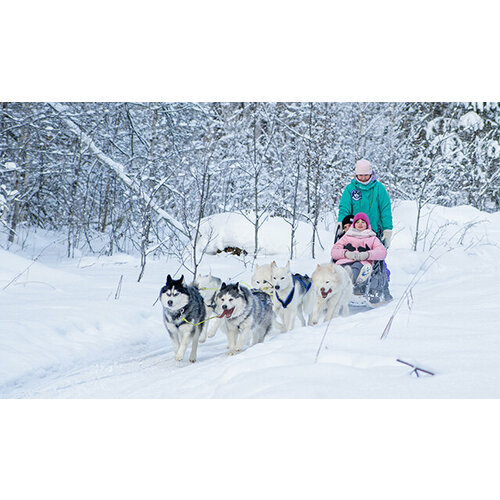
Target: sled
{"type": "Point", "coordinates": [364, 301]}
{"type": "Point", "coordinates": [374, 292]}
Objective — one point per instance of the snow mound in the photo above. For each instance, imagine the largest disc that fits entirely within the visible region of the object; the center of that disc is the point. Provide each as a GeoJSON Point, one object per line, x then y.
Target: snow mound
{"type": "Point", "coordinates": [236, 230]}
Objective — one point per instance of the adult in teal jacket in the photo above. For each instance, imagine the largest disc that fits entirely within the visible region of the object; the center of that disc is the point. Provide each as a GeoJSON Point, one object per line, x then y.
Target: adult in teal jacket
{"type": "Point", "coordinates": [366, 194]}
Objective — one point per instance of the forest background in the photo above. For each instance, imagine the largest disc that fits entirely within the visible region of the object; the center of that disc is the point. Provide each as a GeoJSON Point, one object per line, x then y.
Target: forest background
{"type": "Point", "coordinates": [126, 177]}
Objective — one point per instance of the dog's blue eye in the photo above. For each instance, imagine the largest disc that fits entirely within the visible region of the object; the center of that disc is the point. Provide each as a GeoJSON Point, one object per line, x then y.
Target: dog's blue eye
{"type": "Point", "coordinates": [282, 277]}
{"type": "Point", "coordinates": [258, 282]}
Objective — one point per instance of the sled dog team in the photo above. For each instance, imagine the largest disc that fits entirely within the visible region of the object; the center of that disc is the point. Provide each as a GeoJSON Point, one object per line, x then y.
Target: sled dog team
{"type": "Point", "coordinates": [279, 296]}
{"type": "Point", "coordinates": [247, 315]}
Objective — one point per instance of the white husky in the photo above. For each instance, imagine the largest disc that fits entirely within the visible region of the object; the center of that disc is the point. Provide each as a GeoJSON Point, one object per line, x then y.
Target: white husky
{"type": "Point", "coordinates": [332, 288]}
{"type": "Point", "coordinates": [262, 279]}
{"type": "Point", "coordinates": [208, 287]}
{"type": "Point", "coordinates": [292, 295]}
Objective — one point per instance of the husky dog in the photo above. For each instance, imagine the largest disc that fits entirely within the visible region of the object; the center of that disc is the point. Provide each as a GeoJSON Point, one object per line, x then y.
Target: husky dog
{"type": "Point", "coordinates": [208, 287]}
{"type": "Point", "coordinates": [262, 279]}
{"type": "Point", "coordinates": [291, 294]}
{"type": "Point", "coordinates": [183, 315]}
{"type": "Point", "coordinates": [244, 311]}
{"type": "Point", "coordinates": [332, 289]}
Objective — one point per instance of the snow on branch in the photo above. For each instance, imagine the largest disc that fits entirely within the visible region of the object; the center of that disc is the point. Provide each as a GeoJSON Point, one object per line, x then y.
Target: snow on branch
{"type": "Point", "coordinates": [118, 168]}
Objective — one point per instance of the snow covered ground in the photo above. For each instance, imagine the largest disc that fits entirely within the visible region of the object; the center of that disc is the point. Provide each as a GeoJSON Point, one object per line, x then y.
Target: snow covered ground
{"type": "Point", "coordinates": [63, 334]}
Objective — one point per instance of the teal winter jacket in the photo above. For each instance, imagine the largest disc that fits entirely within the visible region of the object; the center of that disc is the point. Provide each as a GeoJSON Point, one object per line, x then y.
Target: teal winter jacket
{"type": "Point", "coordinates": [372, 199]}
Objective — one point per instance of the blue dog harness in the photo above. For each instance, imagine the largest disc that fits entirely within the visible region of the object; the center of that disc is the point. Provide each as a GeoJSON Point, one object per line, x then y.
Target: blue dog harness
{"type": "Point", "coordinates": [296, 277]}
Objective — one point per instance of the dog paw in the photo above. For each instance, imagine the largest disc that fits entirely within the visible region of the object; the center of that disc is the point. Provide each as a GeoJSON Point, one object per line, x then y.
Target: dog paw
{"type": "Point", "coordinates": [192, 360]}
{"type": "Point", "coordinates": [179, 358]}
{"type": "Point", "coordinates": [231, 352]}
{"type": "Point", "coordinates": [202, 340]}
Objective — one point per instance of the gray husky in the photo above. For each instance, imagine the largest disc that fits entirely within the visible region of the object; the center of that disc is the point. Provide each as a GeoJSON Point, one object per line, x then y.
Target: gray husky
{"type": "Point", "coordinates": [184, 316]}
{"type": "Point", "coordinates": [244, 311]}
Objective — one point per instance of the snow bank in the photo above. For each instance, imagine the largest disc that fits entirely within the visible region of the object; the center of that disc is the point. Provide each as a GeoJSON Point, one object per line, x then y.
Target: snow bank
{"type": "Point", "coordinates": [236, 230]}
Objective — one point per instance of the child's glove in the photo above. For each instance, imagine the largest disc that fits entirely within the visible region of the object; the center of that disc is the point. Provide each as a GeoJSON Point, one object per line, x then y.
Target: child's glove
{"type": "Point", "coordinates": [386, 237]}
{"type": "Point", "coordinates": [351, 255]}
{"type": "Point", "coordinates": [363, 256]}
{"type": "Point", "coordinates": [356, 255]}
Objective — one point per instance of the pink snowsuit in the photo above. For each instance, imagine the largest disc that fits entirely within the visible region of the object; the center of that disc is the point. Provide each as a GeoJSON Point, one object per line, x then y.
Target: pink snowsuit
{"type": "Point", "coordinates": [356, 239]}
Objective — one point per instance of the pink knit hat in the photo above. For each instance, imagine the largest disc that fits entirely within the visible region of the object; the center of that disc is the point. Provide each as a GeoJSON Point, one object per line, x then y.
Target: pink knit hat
{"type": "Point", "coordinates": [361, 216]}
{"type": "Point", "coordinates": [363, 167]}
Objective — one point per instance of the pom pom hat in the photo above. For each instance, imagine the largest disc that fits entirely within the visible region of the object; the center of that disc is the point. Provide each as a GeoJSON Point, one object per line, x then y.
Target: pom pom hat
{"type": "Point", "coordinates": [361, 216]}
{"type": "Point", "coordinates": [363, 167]}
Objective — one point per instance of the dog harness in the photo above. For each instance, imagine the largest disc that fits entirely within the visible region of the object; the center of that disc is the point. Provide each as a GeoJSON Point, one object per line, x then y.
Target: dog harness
{"type": "Point", "coordinates": [296, 277]}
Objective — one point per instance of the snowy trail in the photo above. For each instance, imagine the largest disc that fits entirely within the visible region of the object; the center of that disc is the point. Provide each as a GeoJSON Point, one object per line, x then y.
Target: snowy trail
{"type": "Point", "coordinates": [352, 364]}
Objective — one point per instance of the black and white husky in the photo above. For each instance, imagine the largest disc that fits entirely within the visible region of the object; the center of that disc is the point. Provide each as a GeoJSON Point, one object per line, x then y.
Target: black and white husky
{"type": "Point", "coordinates": [291, 296]}
{"type": "Point", "coordinates": [244, 311]}
{"type": "Point", "coordinates": [184, 316]}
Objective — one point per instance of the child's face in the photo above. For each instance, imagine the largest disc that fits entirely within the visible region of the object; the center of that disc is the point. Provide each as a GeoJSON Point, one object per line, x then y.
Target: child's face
{"type": "Point", "coordinates": [346, 227]}
{"type": "Point", "coordinates": [361, 225]}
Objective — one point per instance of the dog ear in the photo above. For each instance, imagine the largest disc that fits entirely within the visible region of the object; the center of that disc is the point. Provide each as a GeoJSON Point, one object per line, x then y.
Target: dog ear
{"type": "Point", "coordinates": [237, 286]}
{"type": "Point", "coordinates": [317, 266]}
{"type": "Point", "coordinates": [223, 286]}
{"type": "Point", "coordinates": [169, 279]}
{"type": "Point", "coordinates": [273, 264]}
{"type": "Point", "coordinates": [288, 266]}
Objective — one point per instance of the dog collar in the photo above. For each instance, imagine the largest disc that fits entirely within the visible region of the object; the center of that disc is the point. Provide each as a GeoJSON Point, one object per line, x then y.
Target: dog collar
{"type": "Point", "coordinates": [176, 315]}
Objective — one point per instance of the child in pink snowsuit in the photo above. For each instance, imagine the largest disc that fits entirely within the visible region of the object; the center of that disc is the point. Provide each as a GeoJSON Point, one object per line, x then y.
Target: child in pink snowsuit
{"type": "Point", "coordinates": [358, 248]}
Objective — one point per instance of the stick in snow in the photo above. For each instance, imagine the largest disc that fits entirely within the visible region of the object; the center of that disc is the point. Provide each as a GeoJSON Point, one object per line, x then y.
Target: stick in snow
{"type": "Point", "coordinates": [322, 340]}
{"type": "Point", "coordinates": [416, 369]}
{"type": "Point", "coordinates": [119, 288]}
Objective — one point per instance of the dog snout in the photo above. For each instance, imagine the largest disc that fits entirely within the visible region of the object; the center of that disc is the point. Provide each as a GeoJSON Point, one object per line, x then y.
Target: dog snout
{"type": "Point", "coordinates": [224, 306]}
{"type": "Point", "coordinates": [277, 287]}
{"type": "Point", "coordinates": [170, 302]}
{"type": "Point", "coordinates": [322, 288]}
